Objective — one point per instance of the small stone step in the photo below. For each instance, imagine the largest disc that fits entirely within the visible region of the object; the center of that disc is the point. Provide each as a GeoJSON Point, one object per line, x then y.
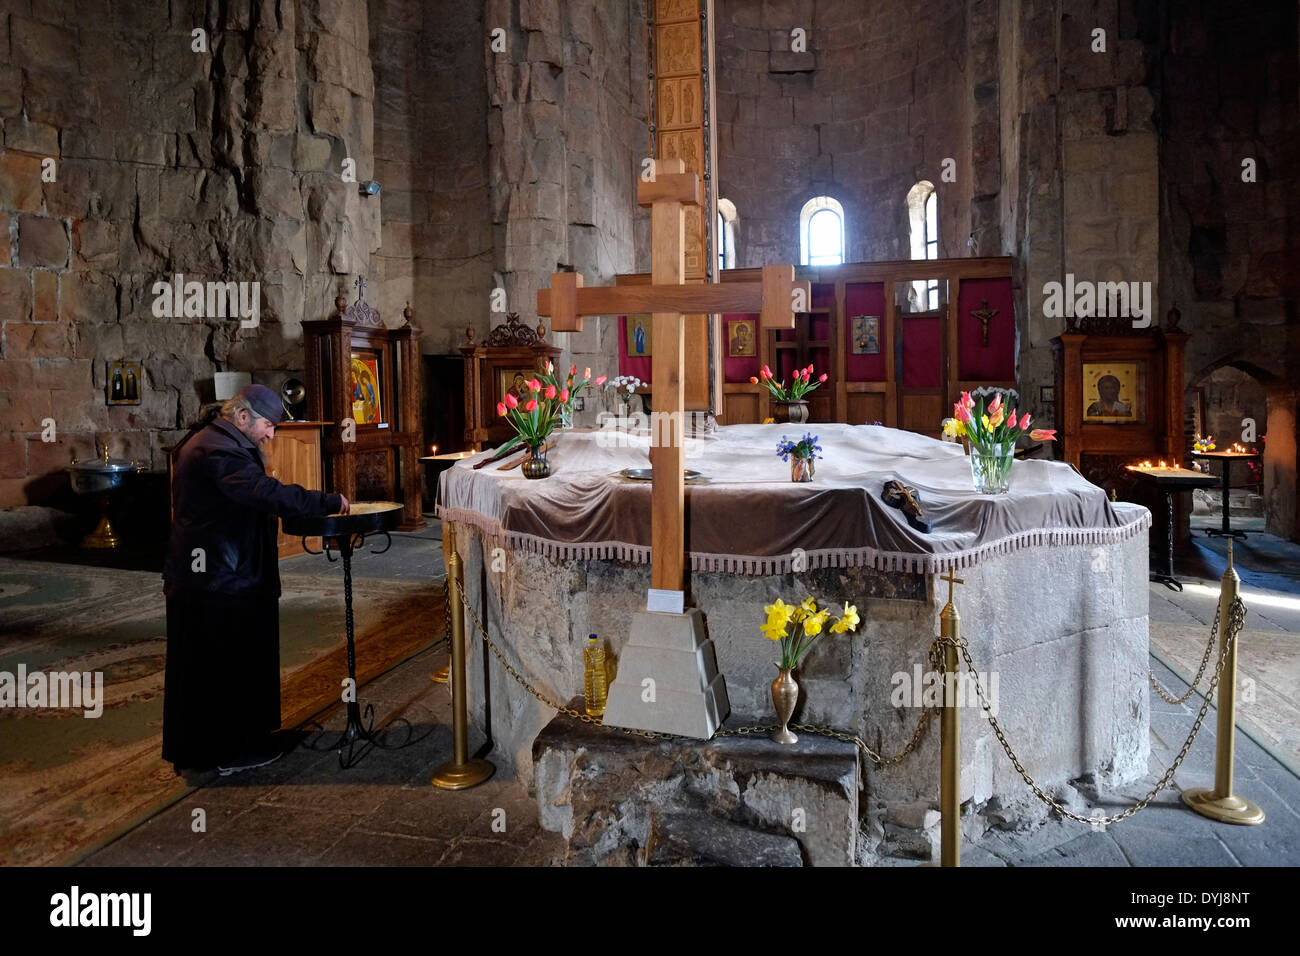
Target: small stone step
{"type": "Point", "coordinates": [700, 839]}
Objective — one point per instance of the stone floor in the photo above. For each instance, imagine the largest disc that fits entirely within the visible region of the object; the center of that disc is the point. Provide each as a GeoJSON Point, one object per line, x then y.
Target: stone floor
{"type": "Point", "coordinates": [306, 810]}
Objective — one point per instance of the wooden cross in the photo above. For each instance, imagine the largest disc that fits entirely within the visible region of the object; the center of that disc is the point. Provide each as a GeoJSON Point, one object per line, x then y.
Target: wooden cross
{"type": "Point", "coordinates": [668, 299]}
{"type": "Point", "coordinates": [984, 313]}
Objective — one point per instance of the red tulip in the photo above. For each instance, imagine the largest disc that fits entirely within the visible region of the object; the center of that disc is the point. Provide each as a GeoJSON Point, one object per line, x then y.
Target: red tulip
{"type": "Point", "coordinates": [601, 380]}
{"type": "Point", "coordinates": [967, 400]}
{"type": "Point", "coordinates": [822, 377]}
{"type": "Point", "coordinates": [1024, 421]}
{"type": "Point", "coordinates": [534, 385]}
{"type": "Point", "coordinates": [550, 391]}
{"type": "Point", "coordinates": [961, 413]}
{"type": "Point", "coordinates": [531, 406]}
{"type": "Point", "coordinates": [766, 373]}
{"type": "Point", "coordinates": [564, 395]}
{"type": "Point", "coordinates": [511, 401]}
{"type": "Point", "coordinates": [1043, 434]}
{"type": "Point", "coordinates": [1011, 419]}
{"type": "Point", "coordinates": [995, 405]}
{"type": "Point", "coordinates": [573, 370]}
{"type": "Point", "coordinates": [501, 409]}
{"type": "Point", "coordinates": [586, 373]}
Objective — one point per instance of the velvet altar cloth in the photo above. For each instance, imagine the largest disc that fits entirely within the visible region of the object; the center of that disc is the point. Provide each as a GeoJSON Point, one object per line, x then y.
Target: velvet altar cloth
{"type": "Point", "coordinates": [747, 517]}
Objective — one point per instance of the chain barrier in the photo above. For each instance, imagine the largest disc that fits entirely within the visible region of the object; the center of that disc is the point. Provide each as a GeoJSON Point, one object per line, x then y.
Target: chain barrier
{"type": "Point", "coordinates": [1236, 619]}
{"type": "Point", "coordinates": [1205, 659]}
{"type": "Point", "coordinates": [586, 718]}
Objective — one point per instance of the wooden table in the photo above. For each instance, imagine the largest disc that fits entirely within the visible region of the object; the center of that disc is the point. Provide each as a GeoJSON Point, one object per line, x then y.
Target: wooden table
{"type": "Point", "coordinates": [1170, 480]}
{"type": "Point", "coordinates": [1227, 458]}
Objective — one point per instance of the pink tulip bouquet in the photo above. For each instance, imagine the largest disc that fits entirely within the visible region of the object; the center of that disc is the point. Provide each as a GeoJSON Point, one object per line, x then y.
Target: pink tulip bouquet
{"type": "Point", "coordinates": [992, 434]}
{"type": "Point", "coordinates": [547, 400]}
{"type": "Point", "coordinates": [801, 385]}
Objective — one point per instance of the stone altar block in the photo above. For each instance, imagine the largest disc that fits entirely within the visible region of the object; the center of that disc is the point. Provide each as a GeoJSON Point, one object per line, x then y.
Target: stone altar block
{"type": "Point", "coordinates": [1072, 658]}
{"type": "Point", "coordinates": [1054, 607]}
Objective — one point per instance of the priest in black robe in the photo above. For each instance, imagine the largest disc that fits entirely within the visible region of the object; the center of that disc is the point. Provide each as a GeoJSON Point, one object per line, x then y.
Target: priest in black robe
{"type": "Point", "coordinates": [221, 704]}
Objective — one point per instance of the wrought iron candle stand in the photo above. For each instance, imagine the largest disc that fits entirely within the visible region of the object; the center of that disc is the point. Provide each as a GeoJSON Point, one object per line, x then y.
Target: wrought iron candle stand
{"type": "Point", "coordinates": [347, 537]}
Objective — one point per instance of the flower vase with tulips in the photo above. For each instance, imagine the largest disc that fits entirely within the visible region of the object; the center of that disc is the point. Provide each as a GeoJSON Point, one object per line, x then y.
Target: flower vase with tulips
{"type": "Point", "coordinates": [991, 434]}
{"type": "Point", "coordinates": [800, 385]}
{"type": "Point", "coordinates": [546, 402]}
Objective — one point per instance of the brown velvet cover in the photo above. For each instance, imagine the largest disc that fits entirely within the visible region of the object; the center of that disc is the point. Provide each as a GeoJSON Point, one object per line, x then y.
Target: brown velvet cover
{"type": "Point", "coordinates": [748, 517]}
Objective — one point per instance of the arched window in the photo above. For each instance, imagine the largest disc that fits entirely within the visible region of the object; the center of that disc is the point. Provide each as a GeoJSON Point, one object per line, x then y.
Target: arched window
{"type": "Point", "coordinates": [821, 232]}
{"type": "Point", "coordinates": [726, 235]}
{"type": "Point", "coordinates": [923, 232]}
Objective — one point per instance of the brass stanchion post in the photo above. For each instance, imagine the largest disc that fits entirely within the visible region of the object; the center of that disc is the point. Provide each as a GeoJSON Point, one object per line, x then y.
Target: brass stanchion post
{"type": "Point", "coordinates": [461, 772]}
{"type": "Point", "coordinates": [950, 745]}
{"type": "Point", "coordinates": [1221, 803]}
{"type": "Point", "coordinates": [443, 673]}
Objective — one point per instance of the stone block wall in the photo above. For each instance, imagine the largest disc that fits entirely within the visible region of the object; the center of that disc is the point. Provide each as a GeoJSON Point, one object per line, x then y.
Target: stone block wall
{"type": "Point", "coordinates": [566, 132]}
{"type": "Point", "coordinates": [129, 156]}
{"type": "Point", "coordinates": [883, 98]}
{"type": "Point", "coordinates": [431, 157]}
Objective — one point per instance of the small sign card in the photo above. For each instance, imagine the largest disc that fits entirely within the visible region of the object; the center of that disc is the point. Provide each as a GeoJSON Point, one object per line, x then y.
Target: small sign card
{"type": "Point", "coordinates": [665, 602]}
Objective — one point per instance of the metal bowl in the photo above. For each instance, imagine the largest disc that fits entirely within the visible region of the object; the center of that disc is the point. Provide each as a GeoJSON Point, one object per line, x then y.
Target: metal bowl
{"type": "Point", "coordinates": [365, 517]}
{"type": "Point", "coordinates": [99, 475]}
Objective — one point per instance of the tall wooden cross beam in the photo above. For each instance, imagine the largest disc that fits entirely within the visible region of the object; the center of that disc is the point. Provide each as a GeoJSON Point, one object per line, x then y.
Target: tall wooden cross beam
{"type": "Point", "coordinates": [668, 300]}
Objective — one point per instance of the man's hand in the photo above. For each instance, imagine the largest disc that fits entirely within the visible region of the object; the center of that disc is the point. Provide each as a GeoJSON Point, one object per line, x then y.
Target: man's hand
{"type": "Point", "coordinates": [346, 507]}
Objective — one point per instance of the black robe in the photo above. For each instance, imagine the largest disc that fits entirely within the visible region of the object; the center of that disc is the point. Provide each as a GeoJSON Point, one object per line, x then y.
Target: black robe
{"type": "Point", "coordinates": [222, 581]}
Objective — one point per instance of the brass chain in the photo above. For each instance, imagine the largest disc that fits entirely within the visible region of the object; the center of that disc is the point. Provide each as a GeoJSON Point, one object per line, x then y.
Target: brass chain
{"type": "Point", "coordinates": [1236, 618]}
{"type": "Point", "coordinates": [1205, 659]}
{"type": "Point", "coordinates": [733, 732]}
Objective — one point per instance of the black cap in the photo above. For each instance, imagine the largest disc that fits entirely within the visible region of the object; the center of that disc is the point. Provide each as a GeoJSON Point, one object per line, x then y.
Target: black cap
{"type": "Point", "coordinates": [263, 401]}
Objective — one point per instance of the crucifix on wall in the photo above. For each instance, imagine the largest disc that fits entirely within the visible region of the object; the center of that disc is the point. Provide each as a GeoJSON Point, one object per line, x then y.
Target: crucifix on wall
{"type": "Point", "coordinates": [668, 299]}
{"type": "Point", "coordinates": [984, 314]}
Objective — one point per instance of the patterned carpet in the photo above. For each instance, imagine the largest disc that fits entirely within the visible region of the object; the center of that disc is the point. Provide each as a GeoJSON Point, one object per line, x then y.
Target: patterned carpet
{"type": "Point", "coordinates": [69, 784]}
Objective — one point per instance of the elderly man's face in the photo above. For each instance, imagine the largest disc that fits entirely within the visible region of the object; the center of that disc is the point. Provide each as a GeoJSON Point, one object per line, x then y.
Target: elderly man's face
{"type": "Point", "coordinates": [1109, 390]}
{"type": "Point", "coordinates": [258, 429]}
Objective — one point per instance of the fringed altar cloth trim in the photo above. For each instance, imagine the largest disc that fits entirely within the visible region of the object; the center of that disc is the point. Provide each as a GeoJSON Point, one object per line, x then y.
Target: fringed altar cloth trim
{"type": "Point", "coordinates": [744, 564]}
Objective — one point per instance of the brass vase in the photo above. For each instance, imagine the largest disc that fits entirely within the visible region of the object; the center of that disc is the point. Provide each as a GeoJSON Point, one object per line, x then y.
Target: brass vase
{"type": "Point", "coordinates": [792, 413]}
{"type": "Point", "coordinates": [537, 465]}
{"type": "Point", "coordinates": [785, 694]}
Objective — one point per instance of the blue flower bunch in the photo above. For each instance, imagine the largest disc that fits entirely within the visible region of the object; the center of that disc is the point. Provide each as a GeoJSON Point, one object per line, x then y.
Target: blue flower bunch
{"type": "Point", "coordinates": [805, 447]}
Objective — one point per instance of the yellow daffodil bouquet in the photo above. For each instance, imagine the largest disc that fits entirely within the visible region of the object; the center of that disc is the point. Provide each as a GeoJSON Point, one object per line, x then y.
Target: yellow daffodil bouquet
{"type": "Point", "coordinates": [797, 627]}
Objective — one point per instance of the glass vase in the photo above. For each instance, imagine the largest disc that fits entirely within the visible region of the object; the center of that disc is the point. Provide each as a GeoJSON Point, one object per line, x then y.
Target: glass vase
{"type": "Point", "coordinates": [991, 469]}
{"type": "Point", "coordinates": [801, 469]}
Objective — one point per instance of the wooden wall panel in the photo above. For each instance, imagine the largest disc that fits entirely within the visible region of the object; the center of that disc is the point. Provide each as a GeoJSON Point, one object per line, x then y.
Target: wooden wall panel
{"type": "Point", "coordinates": [682, 127]}
{"type": "Point", "coordinates": [742, 408]}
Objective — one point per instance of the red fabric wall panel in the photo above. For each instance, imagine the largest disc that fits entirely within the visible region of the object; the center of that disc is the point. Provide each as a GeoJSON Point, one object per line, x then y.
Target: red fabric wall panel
{"type": "Point", "coordinates": [922, 349]}
{"type": "Point", "coordinates": [997, 360]}
{"type": "Point", "coordinates": [864, 298]}
{"type": "Point", "coordinates": [630, 365]}
{"type": "Point", "coordinates": [739, 369]}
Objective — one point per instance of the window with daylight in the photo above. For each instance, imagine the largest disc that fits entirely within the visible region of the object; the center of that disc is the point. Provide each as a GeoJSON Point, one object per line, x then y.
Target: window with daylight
{"type": "Point", "coordinates": [726, 236]}
{"type": "Point", "coordinates": [923, 231]}
{"type": "Point", "coordinates": [821, 232]}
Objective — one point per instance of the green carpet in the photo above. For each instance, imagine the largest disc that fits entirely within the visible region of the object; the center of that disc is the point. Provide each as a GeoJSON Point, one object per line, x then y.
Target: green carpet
{"type": "Point", "coordinates": [69, 783]}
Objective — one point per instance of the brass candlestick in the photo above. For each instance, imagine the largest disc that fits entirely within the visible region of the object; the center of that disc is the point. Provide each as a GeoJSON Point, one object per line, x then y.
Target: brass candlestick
{"type": "Point", "coordinates": [1221, 803]}
{"type": "Point", "coordinates": [461, 772]}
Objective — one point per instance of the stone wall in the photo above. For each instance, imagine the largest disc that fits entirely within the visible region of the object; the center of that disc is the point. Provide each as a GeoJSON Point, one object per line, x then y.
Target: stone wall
{"type": "Point", "coordinates": [431, 157]}
{"type": "Point", "coordinates": [218, 165]}
{"type": "Point", "coordinates": [566, 132]}
{"type": "Point", "coordinates": [883, 97]}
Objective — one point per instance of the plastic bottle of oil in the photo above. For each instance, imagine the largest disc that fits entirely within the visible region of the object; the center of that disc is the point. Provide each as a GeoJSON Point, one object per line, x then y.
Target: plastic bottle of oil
{"type": "Point", "coordinates": [593, 658]}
